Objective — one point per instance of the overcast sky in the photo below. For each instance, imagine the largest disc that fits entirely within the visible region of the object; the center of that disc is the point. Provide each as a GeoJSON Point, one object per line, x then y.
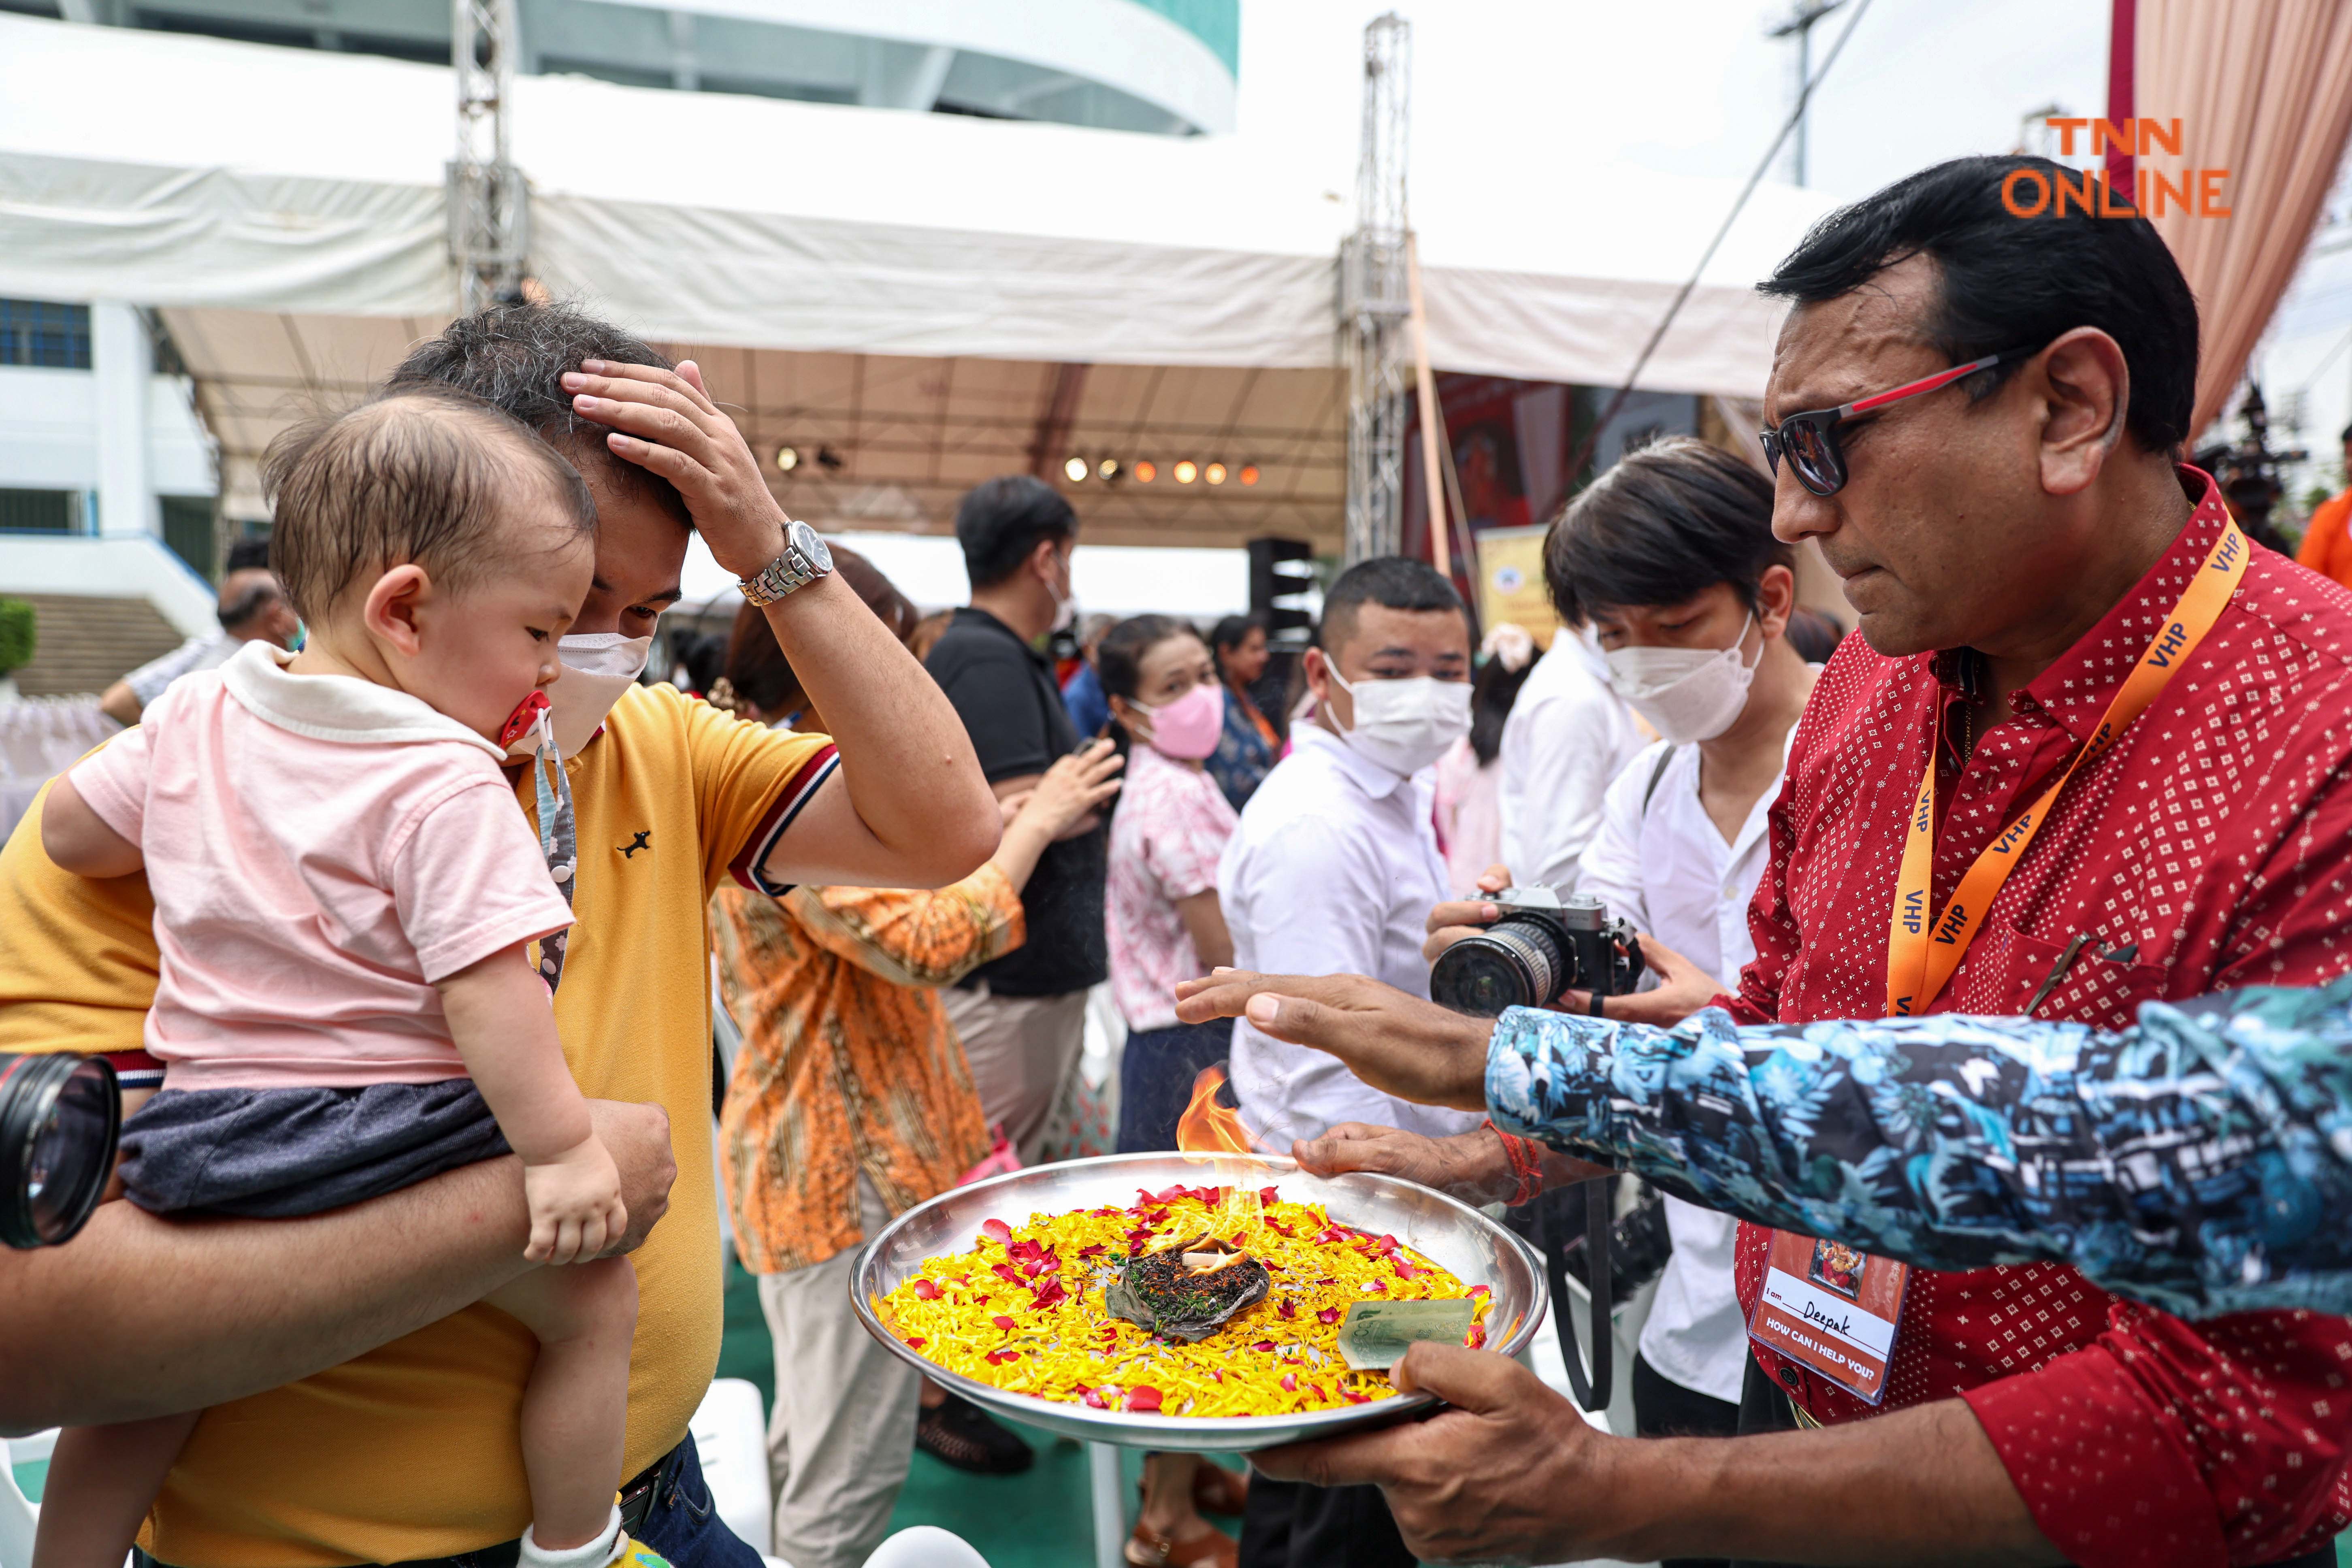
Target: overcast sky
{"type": "Point", "coordinates": [1684, 86]}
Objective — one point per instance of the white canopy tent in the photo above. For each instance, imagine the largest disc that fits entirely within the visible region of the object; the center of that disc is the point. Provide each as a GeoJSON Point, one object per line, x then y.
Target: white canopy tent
{"type": "Point", "coordinates": [913, 291]}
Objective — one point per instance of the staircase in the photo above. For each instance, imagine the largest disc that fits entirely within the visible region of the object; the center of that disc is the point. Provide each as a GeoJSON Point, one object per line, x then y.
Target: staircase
{"type": "Point", "coordinates": [86, 644]}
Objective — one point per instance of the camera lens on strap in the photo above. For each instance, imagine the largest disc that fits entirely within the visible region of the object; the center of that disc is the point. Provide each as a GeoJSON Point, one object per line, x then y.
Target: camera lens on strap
{"type": "Point", "coordinates": [60, 1116]}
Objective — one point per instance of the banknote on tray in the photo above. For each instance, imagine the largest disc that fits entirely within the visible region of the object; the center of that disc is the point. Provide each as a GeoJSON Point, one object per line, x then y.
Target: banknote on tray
{"type": "Point", "coordinates": [1374, 1335]}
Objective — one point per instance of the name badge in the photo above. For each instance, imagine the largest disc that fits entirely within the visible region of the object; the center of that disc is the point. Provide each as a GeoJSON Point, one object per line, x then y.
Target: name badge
{"type": "Point", "coordinates": [1830, 1309]}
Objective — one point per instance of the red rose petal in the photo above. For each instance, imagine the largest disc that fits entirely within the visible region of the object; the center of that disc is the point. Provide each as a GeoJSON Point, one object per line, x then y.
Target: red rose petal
{"type": "Point", "coordinates": [1289, 1382]}
{"type": "Point", "coordinates": [1381, 1286]}
{"type": "Point", "coordinates": [1317, 1389]}
{"type": "Point", "coordinates": [1354, 1398]}
{"type": "Point", "coordinates": [1098, 1251]}
{"type": "Point", "coordinates": [1328, 1315]}
{"type": "Point", "coordinates": [1094, 1400]}
{"type": "Point", "coordinates": [996, 1230]}
{"type": "Point", "coordinates": [1142, 1397]}
{"type": "Point", "coordinates": [917, 1343]}
{"type": "Point", "coordinates": [926, 1291]}
{"type": "Point", "coordinates": [1263, 1345]}
{"type": "Point", "coordinates": [1002, 1323]}
{"type": "Point", "coordinates": [1289, 1309]}
{"type": "Point", "coordinates": [1477, 1339]}
{"type": "Point", "coordinates": [1478, 1290]}
{"type": "Point", "coordinates": [1266, 1194]}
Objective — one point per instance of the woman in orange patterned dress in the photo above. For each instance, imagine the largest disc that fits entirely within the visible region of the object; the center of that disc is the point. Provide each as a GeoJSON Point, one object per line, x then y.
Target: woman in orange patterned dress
{"type": "Point", "coordinates": [849, 1104]}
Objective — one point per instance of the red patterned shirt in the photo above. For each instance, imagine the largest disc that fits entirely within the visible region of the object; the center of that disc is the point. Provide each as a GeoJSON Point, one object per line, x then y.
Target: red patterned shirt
{"type": "Point", "coordinates": [2210, 848]}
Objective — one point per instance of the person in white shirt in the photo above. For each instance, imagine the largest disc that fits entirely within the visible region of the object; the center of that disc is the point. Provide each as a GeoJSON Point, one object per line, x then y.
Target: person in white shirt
{"type": "Point", "coordinates": [252, 608]}
{"type": "Point", "coordinates": [1670, 558]}
{"type": "Point", "coordinates": [1335, 863]}
{"type": "Point", "coordinates": [1332, 871]}
{"type": "Point", "coordinates": [1568, 734]}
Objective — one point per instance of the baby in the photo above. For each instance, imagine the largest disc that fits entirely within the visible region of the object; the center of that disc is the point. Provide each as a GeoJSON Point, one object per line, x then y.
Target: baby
{"type": "Point", "coordinates": [345, 898]}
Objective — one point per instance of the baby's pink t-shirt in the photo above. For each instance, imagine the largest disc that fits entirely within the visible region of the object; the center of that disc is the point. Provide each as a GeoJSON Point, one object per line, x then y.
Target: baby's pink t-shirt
{"type": "Point", "coordinates": [322, 851]}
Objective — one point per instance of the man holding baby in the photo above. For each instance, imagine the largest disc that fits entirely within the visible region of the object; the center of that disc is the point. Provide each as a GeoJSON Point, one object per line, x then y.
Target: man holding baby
{"type": "Point", "coordinates": [359, 1406]}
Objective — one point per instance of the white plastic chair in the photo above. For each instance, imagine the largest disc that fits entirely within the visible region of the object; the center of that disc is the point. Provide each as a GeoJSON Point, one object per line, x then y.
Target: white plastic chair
{"type": "Point", "coordinates": [731, 1435]}
{"type": "Point", "coordinates": [16, 1514]}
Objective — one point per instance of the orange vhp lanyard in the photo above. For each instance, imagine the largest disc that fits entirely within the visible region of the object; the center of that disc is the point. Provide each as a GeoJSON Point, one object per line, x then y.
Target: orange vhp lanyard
{"type": "Point", "coordinates": [1921, 954]}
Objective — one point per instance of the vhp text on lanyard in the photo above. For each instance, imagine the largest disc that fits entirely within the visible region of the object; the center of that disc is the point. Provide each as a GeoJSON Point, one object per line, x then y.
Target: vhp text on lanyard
{"type": "Point", "coordinates": [1921, 954]}
{"type": "Point", "coordinates": [1828, 1307]}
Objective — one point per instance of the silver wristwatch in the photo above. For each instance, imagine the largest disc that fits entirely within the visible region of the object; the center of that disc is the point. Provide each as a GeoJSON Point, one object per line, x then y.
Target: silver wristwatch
{"type": "Point", "coordinates": [805, 559]}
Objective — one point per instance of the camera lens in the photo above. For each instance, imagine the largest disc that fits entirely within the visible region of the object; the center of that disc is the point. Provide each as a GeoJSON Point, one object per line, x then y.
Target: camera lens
{"type": "Point", "coordinates": [1513, 964]}
{"type": "Point", "coordinates": [59, 1116]}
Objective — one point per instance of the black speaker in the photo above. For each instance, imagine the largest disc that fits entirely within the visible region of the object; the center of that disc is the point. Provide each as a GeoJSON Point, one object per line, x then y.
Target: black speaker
{"type": "Point", "coordinates": [1281, 571]}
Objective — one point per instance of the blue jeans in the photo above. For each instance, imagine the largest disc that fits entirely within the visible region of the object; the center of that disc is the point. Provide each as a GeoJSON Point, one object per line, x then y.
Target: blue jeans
{"type": "Point", "coordinates": [680, 1523]}
{"type": "Point", "coordinates": [1155, 1080]}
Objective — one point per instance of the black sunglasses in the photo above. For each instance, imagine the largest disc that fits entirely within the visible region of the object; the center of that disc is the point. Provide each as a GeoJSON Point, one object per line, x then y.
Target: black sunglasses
{"type": "Point", "coordinates": [1810, 440]}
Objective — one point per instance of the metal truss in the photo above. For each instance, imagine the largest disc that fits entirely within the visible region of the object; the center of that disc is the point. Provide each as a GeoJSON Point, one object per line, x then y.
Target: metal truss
{"type": "Point", "coordinates": [1374, 305]}
{"type": "Point", "coordinates": [489, 210]}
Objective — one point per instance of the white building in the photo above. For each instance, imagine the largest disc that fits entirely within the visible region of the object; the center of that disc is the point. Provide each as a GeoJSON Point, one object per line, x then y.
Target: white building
{"type": "Point", "coordinates": [109, 482]}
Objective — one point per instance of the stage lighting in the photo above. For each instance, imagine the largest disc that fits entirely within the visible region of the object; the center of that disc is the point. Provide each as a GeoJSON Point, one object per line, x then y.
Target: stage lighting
{"type": "Point", "coordinates": [1109, 469]}
{"type": "Point", "coordinates": [1076, 469]}
{"type": "Point", "coordinates": [787, 459]}
{"type": "Point", "coordinates": [1146, 471]}
{"type": "Point", "coordinates": [1186, 472]}
{"type": "Point", "coordinates": [1248, 475]}
{"type": "Point", "coordinates": [1214, 473]}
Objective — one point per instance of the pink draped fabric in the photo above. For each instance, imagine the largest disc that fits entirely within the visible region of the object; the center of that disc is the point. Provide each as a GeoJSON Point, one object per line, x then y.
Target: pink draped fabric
{"type": "Point", "coordinates": [2263, 88]}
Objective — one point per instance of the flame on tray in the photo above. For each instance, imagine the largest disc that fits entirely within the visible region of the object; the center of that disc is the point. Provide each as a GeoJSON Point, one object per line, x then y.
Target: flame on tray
{"type": "Point", "coordinates": [1207, 1128]}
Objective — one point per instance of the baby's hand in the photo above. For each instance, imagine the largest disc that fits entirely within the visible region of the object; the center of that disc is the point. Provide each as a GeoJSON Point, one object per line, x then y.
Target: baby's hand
{"type": "Point", "coordinates": [575, 1204]}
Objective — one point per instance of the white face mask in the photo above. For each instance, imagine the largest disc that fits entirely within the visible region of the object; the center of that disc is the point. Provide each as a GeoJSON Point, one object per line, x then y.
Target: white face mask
{"type": "Point", "coordinates": [1686, 693]}
{"type": "Point", "coordinates": [1405, 725]}
{"type": "Point", "coordinates": [598, 667]}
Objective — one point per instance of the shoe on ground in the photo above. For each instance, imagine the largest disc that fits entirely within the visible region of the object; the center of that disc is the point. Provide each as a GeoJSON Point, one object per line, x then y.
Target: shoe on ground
{"type": "Point", "coordinates": [959, 1433]}
{"type": "Point", "coordinates": [1148, 1548]}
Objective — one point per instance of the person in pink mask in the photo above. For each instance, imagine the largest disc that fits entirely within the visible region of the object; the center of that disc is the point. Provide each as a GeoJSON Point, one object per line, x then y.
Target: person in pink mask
{"type": "Point", "coordinates": [1169, 829]}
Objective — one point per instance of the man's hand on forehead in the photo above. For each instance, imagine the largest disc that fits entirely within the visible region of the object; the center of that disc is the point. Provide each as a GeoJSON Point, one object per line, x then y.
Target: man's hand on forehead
{"type": "Point", "coordinates": [665, 422]}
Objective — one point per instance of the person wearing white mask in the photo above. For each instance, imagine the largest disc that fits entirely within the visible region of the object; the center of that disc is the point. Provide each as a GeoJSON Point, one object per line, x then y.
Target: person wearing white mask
{"type": "Point", "coordinates": [1022, 1018]}
{"type": "Point", "coordinates": [668, 798]}
{"type": "Point", "coordinates": [1333, 868]}
{"type": "Point", "coordinates": [1670, 557]}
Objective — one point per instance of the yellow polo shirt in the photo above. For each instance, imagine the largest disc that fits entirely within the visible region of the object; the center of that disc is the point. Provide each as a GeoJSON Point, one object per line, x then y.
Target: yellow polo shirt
{"type": "Point", "coordinates": [411, 1451]}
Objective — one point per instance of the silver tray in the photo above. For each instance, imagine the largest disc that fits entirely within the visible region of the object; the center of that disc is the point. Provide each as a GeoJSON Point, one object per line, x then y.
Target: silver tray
{"type": "Point", "coordinates": [1473, 1248]}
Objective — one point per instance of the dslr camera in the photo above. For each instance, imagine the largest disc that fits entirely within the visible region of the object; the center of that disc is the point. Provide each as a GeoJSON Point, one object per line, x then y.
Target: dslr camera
{"type": "Point", "coordinates": [1543, 944]}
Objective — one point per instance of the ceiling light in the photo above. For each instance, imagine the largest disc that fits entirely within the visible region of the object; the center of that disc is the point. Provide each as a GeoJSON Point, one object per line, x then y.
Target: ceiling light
{"type": "Point", "coordinates": [1146, 471]}
{"type": "Point", "coordinates": [1076, 469]}
{"type": "Point", "coordinates": [1214, 473]}
{"type": "Point", "coordinates": [1248, 475]}
{"type": "Point", "coordinates": [1185, 472]}
{"type": "Point", "coordinates": [787, 459]}
{"type": "Point", "coordinates": [1109, 469]}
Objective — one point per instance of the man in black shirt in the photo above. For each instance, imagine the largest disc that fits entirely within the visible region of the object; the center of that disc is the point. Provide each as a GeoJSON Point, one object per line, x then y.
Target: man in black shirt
{"type": "Point", "coordinates": [1023, 1016]}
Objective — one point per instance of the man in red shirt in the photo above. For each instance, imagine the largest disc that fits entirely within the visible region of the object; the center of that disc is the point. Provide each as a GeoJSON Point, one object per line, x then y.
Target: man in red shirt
{"type": "Point", "coordinates": [1978, 417]}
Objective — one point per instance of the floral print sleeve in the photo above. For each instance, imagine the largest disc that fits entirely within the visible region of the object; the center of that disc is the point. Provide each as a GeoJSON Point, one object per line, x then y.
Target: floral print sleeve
{"type": "Point", "coordinates": [2200, 1161]}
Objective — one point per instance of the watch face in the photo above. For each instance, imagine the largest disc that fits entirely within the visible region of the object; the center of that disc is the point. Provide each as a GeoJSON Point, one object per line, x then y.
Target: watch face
{"type": "Point", "coordinates": [811, 547]}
